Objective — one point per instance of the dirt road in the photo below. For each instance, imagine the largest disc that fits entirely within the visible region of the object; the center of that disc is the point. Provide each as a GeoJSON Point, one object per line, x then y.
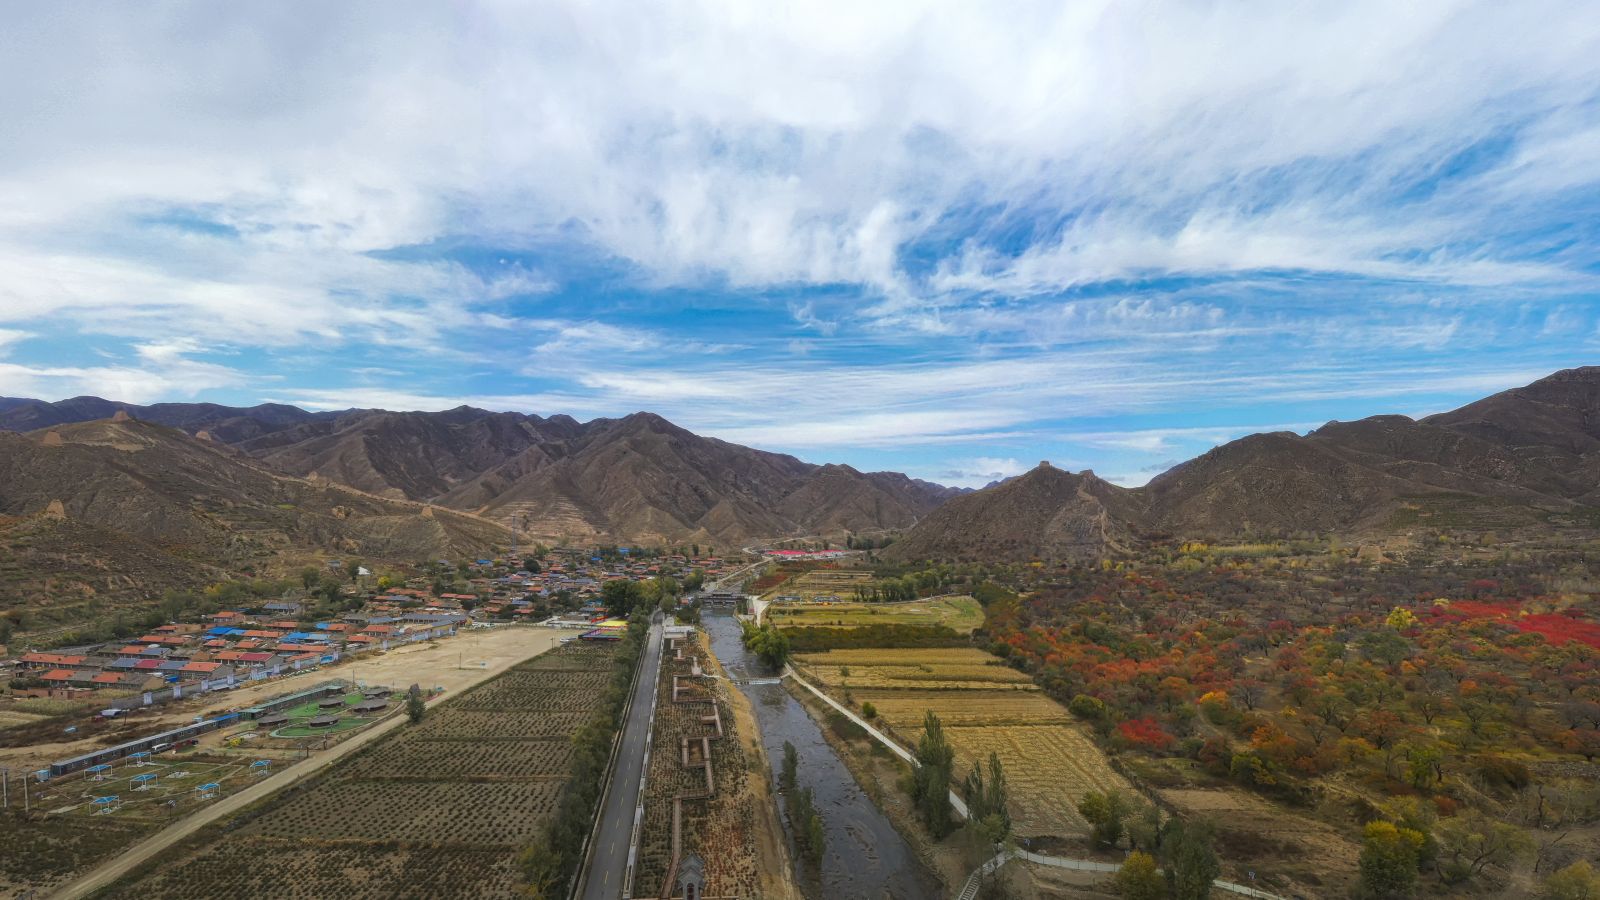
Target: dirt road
{"type": "Point", "coordinates": [498, 650]}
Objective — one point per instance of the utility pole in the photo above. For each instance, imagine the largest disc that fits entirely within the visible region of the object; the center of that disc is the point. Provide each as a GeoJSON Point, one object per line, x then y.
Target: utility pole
{"type": "Point", "coordinates": [5, 788]}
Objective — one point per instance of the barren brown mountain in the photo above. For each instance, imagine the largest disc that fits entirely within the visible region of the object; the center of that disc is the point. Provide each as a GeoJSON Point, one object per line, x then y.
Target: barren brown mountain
{"type": "Point", "coordinates": [130, 506]}
{"type": "Point", "coordinates": [639, 478]}
{"type": "Point", "coordinates": [1528, 457]}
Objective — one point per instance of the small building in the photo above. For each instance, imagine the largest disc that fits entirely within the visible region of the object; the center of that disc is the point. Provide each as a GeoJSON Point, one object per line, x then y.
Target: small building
{"type": "Point", "coordinates": [691, 881]}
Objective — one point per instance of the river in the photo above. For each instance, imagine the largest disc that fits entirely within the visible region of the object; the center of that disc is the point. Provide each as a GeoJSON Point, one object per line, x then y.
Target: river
{"type": "Point", "coordinates": [865, 857]}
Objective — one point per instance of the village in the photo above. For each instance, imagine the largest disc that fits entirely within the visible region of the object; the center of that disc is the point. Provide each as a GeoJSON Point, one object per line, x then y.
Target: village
{"type": "Point", "coordinates": [232, 647]}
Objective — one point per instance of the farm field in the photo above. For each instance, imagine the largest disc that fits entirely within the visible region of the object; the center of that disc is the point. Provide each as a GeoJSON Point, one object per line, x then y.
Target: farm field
{"type": "Point", "coordinates": [439, 808]}
{"type": "Point", "coordinates": [985, 707]}
{"type": "Point", "coordinates": [962, 614]}
{"type": "Point", "coordinates": [824, 582]}
{"type": "Point", "coordinates": [68, 828]}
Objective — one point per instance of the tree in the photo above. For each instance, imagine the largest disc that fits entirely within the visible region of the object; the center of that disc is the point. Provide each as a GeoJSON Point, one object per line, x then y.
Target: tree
{"type": "Point", "coordinates": [1578, 881]}
{"type": "Point", "coordinates": [1389, 855]}
{"type": "Point", "coordinates": [542, 868]}
{"type": "Point", "coordinates": [352, 569]}
{"type": "Point", "coordinates": [1138, 878]}
{"type": "Point", "coordinates": [310, 578]}
{"type": "Point", "coordinates": [868, 711]}
{"type": "Point", "coordinates": [1401, 618]}
{"type": "Point", "coordinates": [986, 799]}
{"type": "Point", "coordinates": [1192, 864]}
{"type": "Point", "coordinates": [415, 707]}
{"type": "Point", "coordinates": [766, 642]}
{"type": "Point", "coordinates": [1105, 812]}
{"type": "Point", "coordinates": [791, 768]}
{"type": "Point", "coordinates": [931, 778]}
{"type": "Point", "coordinates": [1471, 842]}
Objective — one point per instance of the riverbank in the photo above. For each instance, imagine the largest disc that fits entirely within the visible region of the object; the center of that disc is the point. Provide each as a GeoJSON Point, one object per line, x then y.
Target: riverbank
{"type": "Point", "coordinates": [777, 869]}
{"type": "Point", "coordinates": [886, 779]}
{"type": "Point", "coordinates": [864, 856]}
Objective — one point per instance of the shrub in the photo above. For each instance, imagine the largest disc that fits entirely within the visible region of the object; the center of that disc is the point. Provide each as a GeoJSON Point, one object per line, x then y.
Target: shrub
{"type": "Point", "coordinates": [1138, 878]}
{"type": "Point", "coordinates": [1389, 860]}
{"type": "Point", "coordinates": [1578, 881]}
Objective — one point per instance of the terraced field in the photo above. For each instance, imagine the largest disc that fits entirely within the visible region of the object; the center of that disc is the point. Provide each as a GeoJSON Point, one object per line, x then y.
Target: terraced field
{"type": "Point", "coordinates": [962, 614]}
{"type": "Point", "coordinates": [436, 809]}
{"type": "Point", "coordinates": [985, 707]}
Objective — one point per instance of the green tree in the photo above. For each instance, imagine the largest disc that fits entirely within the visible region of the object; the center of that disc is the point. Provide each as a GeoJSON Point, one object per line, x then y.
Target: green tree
{"type": "Point", "coordinates": [1471, 842]}
{"type": "Point", "coordinates": [1578, 881]}
{"type": "Point", "coordinates": [352, 569]}
{"type": "Point", "coordinates": [791, 768]}
{"type": "Point", "coordinates": [868, 711]}
{"type": "Point", "coordinates": [310, 578]}
{"type": "Point", "coordinates": [416, 708]}
{"type": "Point", "coordinates": [766, 642]}
{"type": "Point", "coordinates": [1388, 861]}
{"type": "Point", "coordinates": [1192, 863]}
{"type": "Point", "coordinates": [542, 868]}
{"type": "Point", "coordinates": [1138, 879]}
{"type": "Point", "coordinates": [987, 798]}
{"type": "Point", "coordinates": [1105, 812]}
{"type": "Point", "coordinates": [931, 778]}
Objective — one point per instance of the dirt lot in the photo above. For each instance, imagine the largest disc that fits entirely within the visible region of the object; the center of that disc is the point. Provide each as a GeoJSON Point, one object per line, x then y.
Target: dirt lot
{"type": "Point", "coordinates": [451, 663]}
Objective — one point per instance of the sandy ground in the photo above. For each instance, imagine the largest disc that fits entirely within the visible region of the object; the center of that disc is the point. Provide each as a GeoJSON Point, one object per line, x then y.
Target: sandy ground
{"type": "Point", "coordinates": [498, 648]}
{"type": "Point", "coordinates": [452, 663]}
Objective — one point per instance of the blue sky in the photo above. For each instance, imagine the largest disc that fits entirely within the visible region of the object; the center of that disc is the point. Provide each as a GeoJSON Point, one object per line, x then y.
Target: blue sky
{"type": "Point", "coordinates": [940, 238]}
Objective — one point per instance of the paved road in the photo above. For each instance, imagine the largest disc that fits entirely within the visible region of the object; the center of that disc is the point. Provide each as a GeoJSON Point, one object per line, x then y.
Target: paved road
{"type": "Point", "coordinates": [608, 863]}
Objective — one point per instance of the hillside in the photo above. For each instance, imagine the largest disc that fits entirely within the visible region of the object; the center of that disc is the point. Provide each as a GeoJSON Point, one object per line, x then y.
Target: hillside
{"type": "Point", "coordinates": [143, 507]}
{"type": "Point", "coordinates": [1046, 513]}
{"type": "Point", "coordinates": [1526, 457]}
{"type": "Point", "coordinates": [636, 479]}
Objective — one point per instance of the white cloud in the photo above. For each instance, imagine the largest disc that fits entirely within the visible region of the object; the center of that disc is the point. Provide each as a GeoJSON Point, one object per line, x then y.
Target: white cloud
{"type": "Point", "coordinates": [10, 337]}
{"type": "Point", "coordinates": [762, 147]}
{"type": "Point", "coordinates": [979, 471]}
{"type": "Point", "coordinates": [164, 376]}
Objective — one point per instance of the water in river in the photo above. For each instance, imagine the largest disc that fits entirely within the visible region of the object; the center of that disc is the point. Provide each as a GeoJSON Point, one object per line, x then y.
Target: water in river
{"type": "Point", "coordinates": [865, 856]}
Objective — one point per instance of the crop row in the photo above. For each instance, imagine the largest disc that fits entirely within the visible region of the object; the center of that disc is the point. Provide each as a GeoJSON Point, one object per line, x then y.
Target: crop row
{"type": "Point", "coordinates": [1049, 768]}
{"type": "Point", "coordinates": [931, 657]}
{"type": "Point", "coordinates": [904, 710]}
{"type": "Point", "coordinates": [433, 760]}
{"type": "Point", "coordinates": [294, 870]}
{"type": "Point", "coordinates": [455, 723]}
{"type": "Point", "coordinates": [447, 812]}
{"type": "Point", "coordinates": [908, 676]}
{"type": "Point", "coordinates": [554, 690]}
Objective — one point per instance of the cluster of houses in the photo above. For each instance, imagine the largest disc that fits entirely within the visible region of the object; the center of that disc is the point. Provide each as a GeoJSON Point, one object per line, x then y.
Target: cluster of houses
{"type": "Point", "coordinates": [236, 646]}
{"type": "Point", "coordinates": [231, 648]}
{"type": "Point", "coordinates": [578, 574]}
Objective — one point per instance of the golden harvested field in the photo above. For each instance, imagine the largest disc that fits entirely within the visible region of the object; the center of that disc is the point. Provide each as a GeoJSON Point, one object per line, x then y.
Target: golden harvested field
{"type": "Point", "coordinates": [986, 708]}
{"type": "Point", "coordinates": [960, 613]}
{"type": "Point", "coordinates": [903, 710]}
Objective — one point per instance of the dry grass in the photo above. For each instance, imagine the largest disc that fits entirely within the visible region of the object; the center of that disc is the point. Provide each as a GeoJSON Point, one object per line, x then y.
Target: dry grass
{"type": "Point", "coordinates": [963, 614]}
{"type": "Point", "coordinates": [986, 708]}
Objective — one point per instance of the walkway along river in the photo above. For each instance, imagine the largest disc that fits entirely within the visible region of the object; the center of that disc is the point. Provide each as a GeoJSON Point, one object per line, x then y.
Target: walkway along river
{"type": "Point", "coordinates": [865, 856]}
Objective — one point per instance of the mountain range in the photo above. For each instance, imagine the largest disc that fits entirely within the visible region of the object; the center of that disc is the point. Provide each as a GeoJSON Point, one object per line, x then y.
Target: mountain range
{"type": "Point", "coordinates": [211, 483]}
{"type": "Point", "coordinates": [1527, 457]}
{"type": "Point", "coordinates": [638, 478]}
